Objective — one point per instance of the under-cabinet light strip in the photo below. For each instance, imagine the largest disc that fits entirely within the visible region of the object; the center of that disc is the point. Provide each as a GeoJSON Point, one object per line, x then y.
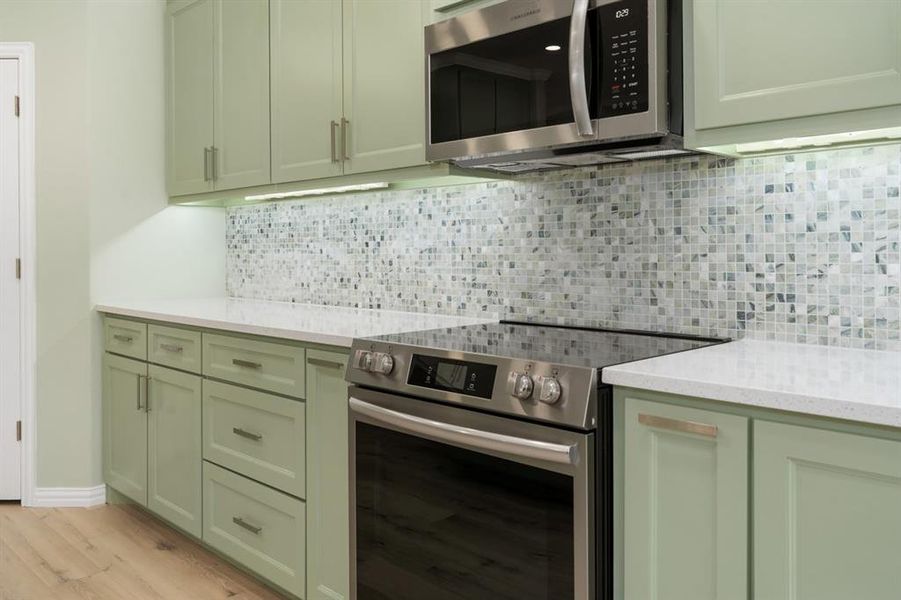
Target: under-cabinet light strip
{"type": "Point", "coordinates": [360, 187]}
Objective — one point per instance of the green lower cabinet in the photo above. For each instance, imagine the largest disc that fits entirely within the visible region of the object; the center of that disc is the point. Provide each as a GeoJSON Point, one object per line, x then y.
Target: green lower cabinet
{"type": "Point", "coordinates": [255, 525]}
{"type": "Point", "coordinates": [174, 448]}
{"type": "Point", "coordinates": [125, 426]}
{"type": "Point", "coordinates": [827, 515]}
{"type": "Point", "coordinates": [685, 503]}
{"type": "Point", "coordinates": [328, 536]}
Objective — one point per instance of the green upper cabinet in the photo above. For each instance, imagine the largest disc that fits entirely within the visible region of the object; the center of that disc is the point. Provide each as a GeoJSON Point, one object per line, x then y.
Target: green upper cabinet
{"type": "Point", "coordinates": [685, 503]}
{"type": "Point", "coordinates": [826, 515]}
{"type": "Point", "coordinates": [384, 84]}
{"type": "Point", "coordinates": [217, 55]}
{"type": "Point", "coordinates": [125, 426]}
{"type": "Point", "coordinates": [306, 88]}
{"type": "Point", "coordinates": [761, 71]}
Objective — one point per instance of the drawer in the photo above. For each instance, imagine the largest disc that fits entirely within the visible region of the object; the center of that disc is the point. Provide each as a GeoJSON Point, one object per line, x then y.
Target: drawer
{"type": "Point", "coordinates": [265, 365]}
{"type": "Point", "coordinates": [260, 528]}
{"type": "Point", "coordinates": [128, 338]}
{"type": "Point", "coordinates": [256, 434]}
{"type": "Point", "coordinates": [173, 347]}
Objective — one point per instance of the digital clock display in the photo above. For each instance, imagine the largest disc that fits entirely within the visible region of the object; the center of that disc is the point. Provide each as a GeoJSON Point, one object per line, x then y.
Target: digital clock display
{"type": "Point", "coordinates": [472, 379]}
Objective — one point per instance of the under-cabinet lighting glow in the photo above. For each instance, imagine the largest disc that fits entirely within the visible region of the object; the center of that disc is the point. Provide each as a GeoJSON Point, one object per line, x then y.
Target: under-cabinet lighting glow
{"type": "Point", "coordinates": [360, 187]}
{"type": "Point", "coordinates": [552, 48]}
{"type": "Point", "coordinates": [818, 141]}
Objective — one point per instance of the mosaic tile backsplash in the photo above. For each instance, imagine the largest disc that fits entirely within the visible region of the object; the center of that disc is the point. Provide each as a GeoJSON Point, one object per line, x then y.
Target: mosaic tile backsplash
{"type": "Point", "coordinates": [801, 248]}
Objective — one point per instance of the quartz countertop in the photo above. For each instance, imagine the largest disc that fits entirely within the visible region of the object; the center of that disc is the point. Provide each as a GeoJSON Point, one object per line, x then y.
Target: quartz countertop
{"type": "Point", "coordinates": [331, 325]}
{"type": "Point", "coordinates": [855, 385]}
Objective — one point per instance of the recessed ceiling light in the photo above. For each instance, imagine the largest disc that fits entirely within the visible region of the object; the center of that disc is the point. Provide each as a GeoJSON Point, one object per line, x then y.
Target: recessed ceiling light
{"type": "Point", "coordinates": [552, 48]}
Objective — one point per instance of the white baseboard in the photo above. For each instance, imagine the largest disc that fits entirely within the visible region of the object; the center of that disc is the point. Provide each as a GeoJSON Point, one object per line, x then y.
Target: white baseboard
{"type": "Point", "coordinates": [69, 497]}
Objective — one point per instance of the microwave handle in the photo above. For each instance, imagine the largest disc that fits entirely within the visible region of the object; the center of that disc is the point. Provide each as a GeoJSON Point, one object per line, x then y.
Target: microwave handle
{"type": "Point", "coordinates": [466, 437]}
{"type": "Point", "coordinates": [577, 88]}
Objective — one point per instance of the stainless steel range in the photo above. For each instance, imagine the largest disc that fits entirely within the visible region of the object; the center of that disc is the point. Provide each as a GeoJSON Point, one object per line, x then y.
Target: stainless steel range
{"type": "Point", "coordinates": [481, 461]}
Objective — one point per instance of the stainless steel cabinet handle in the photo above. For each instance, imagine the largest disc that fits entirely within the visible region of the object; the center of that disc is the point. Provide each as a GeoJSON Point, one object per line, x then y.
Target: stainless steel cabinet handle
{"type": "Point", "coordinates": [577, 89]}
{"type": "Point", "coordinates": [206, 164]}
{"type": "Point", "coordinates": [678, 425]}
{"type": "Point", "coordinates": [172, 348]}
{"type": "Point", "coordinates": [244, 524]}
{"type": "Point", "coordinates": [246, 434]}
{"type": "Point", "coordinates": [333, 126]}
{"type": "Point", "coordinates": [123, 338]}
{"type": "Point", "coordinates": [345, 125]}
{"type": "Point", "coordinates": [466, 437]}
{"type": "Point", "coordinates": [147, 394]}
{"type": "Point", "coordinates": [246, 363]}
{"type": "Point", "coordinates": [328, 364]}
{"type": "Point", "coordinates": [138, 394]}
{"type": "Point", "coordinates": [214, 153]}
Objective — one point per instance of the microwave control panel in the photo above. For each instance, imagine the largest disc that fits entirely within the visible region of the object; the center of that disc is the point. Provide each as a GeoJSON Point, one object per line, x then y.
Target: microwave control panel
{"type": "Point", "coordinates": [623, 36]}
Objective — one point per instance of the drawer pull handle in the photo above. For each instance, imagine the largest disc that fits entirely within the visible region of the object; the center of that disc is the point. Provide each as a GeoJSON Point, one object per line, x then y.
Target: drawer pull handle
{"type": "Point", "coordinates": [172, 348]}
{"type": "Point", "coordinates": [244, 524]}
{"type": "Point", "coordinates": [328, 364]}
{"type": "Point", "coordinates": [678, 425]}
{"type": "Point", "coordinates": [246, 434]}
{"type": "Point", "coordinates": [246, 363]}
{"type": "Point", "coordinates": [123, 338]}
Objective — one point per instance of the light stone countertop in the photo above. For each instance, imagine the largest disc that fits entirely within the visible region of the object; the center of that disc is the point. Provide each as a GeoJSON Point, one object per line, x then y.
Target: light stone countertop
{"type": "Point", "coordinates": [331, 325]}
{"type": "Point", "coordinates": [850, 384]}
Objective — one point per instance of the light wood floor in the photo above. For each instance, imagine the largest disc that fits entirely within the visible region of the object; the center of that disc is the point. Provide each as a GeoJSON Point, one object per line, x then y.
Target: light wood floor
{"type": "Point", "coordinates": [109, 552]}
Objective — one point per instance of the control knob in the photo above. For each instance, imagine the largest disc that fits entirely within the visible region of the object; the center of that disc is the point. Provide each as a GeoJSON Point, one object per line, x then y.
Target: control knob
{"type": "Point", "coordinates": [363, 360]}
{"type": "Point", "coordinates": [550, 390]}
{"type": "Point", "coordinates": [382, 363]}
{"type": "Point", "coordinates": [522, 386]}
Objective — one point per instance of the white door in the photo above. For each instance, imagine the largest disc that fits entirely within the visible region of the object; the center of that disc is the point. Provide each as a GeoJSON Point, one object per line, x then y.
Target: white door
{"type": "Point", "coordinates": [10, 407]}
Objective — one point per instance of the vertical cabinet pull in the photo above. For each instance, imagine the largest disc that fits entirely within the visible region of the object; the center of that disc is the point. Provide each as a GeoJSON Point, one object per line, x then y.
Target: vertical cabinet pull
{"type": "Point", "coordinates": [214, 167]}
{"type": "Point", "coordinates": [345, 125]}
{"type": "Point", "coordinates": [206, 164]}
{"type": "Point", "coordinates": [139, 391]}
{"type": "Point", "coordinates": [147, 394]}
{"type": "Point", "coordinates": [333, 134]}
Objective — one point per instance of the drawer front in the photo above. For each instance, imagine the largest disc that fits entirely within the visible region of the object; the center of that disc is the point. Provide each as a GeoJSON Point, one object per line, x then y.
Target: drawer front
{"type": "Point", "coordinates": [256, 434]}
{"type": "Point", "coordinates": [173, 347]}
{"type": "Point", "coordinates": [128, 338]}
{"type": "Point", "coordinates": [265, 365]}
{"type": "Point", "coordinates": [257, 526]}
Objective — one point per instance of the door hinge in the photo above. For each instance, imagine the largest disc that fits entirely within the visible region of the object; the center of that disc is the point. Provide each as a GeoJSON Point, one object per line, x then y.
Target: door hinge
{"type": "Point", "coordinates": [18, 431]}
{"type": "Point", "coordinates": [18, 268]}
{"type": "Point", "coordinates": [17, 106]}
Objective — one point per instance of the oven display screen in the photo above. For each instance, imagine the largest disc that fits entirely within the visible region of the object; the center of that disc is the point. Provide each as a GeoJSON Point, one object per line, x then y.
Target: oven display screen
{"type": "Point", "coordinates": [472, 379]}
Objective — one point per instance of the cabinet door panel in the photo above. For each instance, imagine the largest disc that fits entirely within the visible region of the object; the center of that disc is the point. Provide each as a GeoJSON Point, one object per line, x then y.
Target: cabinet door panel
{"type": "Point", "coordinates": [174, 448]}
{"type": "Point", "coordinates": [189, 95]}
{"type": "Point", "coordinates": [327, 475]}
{"type": "Point", "coordinates": [384, 84]}
{"type": "Point", "coordinates": [125, 427]}
{"type": "Point", "coordinates": [305, 38]}
{"type": "Point", "coordinates": [242, 94]}
{"type": "Point", "coordinates": [827, 524]}
{"type": "Point", "coordinates": [814, 58]}
{"type": "Point", "coordinates": [686, 503]}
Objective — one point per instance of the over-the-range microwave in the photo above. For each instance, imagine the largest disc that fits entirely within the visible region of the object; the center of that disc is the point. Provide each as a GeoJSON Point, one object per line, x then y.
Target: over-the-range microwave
{"type": "Point", "coordinates": [534, 84]}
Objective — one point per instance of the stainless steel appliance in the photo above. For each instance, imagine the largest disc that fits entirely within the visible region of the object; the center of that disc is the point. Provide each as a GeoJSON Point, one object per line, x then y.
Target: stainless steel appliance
{"type": "Point", "coordinates": [536, 84]}
{"type": "Point", "coordinates": [481, 461]}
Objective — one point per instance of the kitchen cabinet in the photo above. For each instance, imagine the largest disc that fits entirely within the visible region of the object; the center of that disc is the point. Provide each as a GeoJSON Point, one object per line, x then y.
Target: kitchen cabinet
{"type": "Point", "coordinates": [822, 68]}
{"type": "Point", "coordinates": [217, 54]}
{"type": "Point", "coordinates": [686, 503]}
{"type": "Point", "coordinates": [328, 531]}
{"type": "Point", "coordinates": [125, 426]}
{"type": "Point", "coordinates": [348, 91]}
{"type": "Point", "coordinates": [174, 448]}
{"type": "Point", "coordinates": [826, 518]}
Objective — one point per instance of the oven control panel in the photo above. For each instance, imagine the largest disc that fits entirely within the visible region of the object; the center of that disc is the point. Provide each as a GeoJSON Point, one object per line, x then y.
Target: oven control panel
{"type": "Point", "coordinates": [462, 377]}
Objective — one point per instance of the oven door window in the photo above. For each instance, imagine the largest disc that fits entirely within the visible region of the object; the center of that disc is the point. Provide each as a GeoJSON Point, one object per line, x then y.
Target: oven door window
{"type": "Point", "coordinates": [511, 82]}
{"type": "Point", "coordinates": [436, 522]}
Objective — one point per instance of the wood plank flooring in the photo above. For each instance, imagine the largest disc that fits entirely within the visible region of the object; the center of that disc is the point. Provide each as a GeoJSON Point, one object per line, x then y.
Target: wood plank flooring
{"type": "Point", "coordinates": [110, 553]}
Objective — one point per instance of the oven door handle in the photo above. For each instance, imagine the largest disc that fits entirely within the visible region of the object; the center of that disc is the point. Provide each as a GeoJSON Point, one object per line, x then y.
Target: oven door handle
{"type": "Point", "coordinates": [578, 91]}
{"type": "Point", "coordinates": [467, 437]}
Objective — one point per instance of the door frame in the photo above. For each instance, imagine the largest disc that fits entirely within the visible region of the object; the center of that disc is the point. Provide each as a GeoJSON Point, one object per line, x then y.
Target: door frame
{"type": "Point", "coordinates": [24, 53]}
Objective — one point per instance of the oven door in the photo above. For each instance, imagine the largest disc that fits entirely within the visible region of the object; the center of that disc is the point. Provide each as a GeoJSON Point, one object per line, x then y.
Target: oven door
{"type": "Point", "coordinates": [452, 504]}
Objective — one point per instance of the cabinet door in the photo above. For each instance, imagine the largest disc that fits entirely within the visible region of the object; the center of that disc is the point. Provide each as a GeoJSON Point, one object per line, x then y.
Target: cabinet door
{"type": "Point", "coordinates": [174, 448]}
{"type": "Point", "coordinates": [686, 503]}
{"type": "Point", "coordinates": [242, 94]}
{"type": "Point", "coordinates": [189, 95]}
{"type": "Point", "coordinates": [327, 473]}
{"type": "Point", "coordinates": [125, 426]}
{"type": "Point", "coordinates": [384, 84]}
{"type": "Point", "coordinates": [305, 43]}
{"type": "Point", "coordinates": [763, 60]}
{"type": "Point", "coordinates": [827, 515]}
